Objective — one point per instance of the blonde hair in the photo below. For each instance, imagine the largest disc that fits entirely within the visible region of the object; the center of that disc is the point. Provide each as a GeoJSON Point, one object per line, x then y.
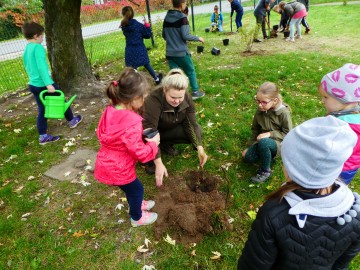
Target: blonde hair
{"type": "Point", "coordinates": [175, 79]}
{"type": "Point", "coordinates": [271, 91]}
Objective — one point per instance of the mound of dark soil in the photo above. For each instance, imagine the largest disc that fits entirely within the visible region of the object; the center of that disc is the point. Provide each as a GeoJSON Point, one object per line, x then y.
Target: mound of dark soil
{"type": "Point", "coordinates": [190, 206]}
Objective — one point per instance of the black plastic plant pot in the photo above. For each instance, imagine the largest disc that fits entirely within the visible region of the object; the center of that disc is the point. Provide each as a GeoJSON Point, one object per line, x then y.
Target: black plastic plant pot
{"type": "Point", "coordinates": [207, 30]}
{"type": "Point", "coordinates": [215, 51]}
{"type": "Point", "coordinates": [286, 34]}
{"type": "Point", "coordinates": [226, 41]}
{"type": "Point", "coordinates": [200, 49]}
{"type": "Point", "coordinates": [275, 27]}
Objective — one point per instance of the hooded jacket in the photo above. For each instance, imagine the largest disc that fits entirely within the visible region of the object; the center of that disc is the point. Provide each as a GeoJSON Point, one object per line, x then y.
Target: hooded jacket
{"type": "Point", "coordinates": [120, 135]}
{"type": "Point", "coordinates": [176, 32]}
{"type": "Point", "coordinates": [279, 241]}
{"type": "Point", "coordinates": [135, 50]}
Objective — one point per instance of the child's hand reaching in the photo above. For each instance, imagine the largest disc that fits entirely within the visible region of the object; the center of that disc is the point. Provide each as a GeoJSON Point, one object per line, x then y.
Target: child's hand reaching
{"type": "Point", "coordinates": [155, 139]}
{"type": "Point", "coordinates": [201, 40]}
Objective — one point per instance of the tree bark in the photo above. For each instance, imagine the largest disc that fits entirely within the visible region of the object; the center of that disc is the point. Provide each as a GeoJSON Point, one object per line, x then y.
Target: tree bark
{"type": "Point", "coordinates": [70, 67]}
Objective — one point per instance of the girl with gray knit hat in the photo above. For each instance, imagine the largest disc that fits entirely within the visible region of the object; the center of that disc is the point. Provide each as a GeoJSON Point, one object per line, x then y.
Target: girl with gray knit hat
{"type": "Point", "coordinates": [312, 221]}
{"type": "Point", "coordinates": [340, 94]}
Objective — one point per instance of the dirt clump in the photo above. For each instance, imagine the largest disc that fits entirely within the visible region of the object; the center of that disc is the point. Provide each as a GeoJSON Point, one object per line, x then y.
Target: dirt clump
{"type": "Point", "coordinates": [190, 206]}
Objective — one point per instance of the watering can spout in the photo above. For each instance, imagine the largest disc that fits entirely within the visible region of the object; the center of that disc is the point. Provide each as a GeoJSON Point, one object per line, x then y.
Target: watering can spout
{"type": "Point", "coordinates": [67, 104]}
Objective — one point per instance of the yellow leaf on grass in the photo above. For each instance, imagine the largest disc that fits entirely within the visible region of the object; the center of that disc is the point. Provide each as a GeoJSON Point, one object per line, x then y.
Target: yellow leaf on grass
{"type": "Point", "coordinates": [142, 249]}
{"type": "Point", "coordinates": [78, 234]}
{"type": "Point", "coordinates": [217, 255]}
{"type": "Point", "coordinates": [169, 240]}
{"type": "Point", "coordinates": [251, 214]}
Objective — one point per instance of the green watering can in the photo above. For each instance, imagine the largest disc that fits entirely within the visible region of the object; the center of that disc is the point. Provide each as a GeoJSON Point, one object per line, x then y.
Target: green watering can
{"type": "Point", "coordinates": [55, 106]}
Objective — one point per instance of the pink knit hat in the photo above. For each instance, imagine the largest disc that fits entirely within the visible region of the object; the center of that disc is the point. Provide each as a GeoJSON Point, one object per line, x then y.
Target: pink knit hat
{"type": "Point", "coordinates": [343, 83]}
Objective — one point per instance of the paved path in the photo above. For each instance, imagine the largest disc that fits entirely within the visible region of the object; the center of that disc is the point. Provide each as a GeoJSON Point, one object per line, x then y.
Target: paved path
{"type": "Point", "coordinates": [14, 48]}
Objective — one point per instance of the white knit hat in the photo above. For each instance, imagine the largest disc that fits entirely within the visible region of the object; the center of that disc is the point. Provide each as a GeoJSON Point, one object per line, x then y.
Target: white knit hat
{"type": "Point", "coordinates": [343, 83]}
{"type": "Point", "coordinates": [314, 152]}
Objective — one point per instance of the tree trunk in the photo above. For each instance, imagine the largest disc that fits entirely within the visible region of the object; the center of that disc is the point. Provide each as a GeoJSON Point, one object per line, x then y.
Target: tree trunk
{"type": "Point", "coordinates": [70, 67]}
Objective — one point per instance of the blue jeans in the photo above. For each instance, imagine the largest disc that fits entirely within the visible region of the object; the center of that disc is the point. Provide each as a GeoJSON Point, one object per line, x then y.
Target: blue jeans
{"type": "Point", "coordinates": [238, 18]}
{"type": "Point", "coordinates": [41, 121]}
{"type": "Point", "coordinates": [134, 192]}
{"type": "Point", "coordinates": [150, 70]}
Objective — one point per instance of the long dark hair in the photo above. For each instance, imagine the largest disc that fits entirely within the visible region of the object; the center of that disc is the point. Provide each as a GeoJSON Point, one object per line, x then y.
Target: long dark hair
{"type": "Point", "coordinates": [128, 14]}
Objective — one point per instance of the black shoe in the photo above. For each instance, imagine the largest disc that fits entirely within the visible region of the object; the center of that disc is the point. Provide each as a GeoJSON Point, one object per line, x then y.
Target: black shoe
{"type": "Point", "coordinates": [169, 149]}
{"type": "Point", "coordinates": [159, 79]}
{"type": "Point", "coordinates": [150, 167]}
{"type": "Point", "coordinates": [257, 40]}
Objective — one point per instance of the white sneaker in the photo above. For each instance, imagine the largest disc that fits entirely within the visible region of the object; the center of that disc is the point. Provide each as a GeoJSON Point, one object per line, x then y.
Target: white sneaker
{"type": "Point", "coordinates": [298, 36]}
{"type": "Point", "coordinates": [147, 205]}
{"type": "Point", "coordinates": [146, 219]}
{"type": "Point", "coordinates": [290, 39]}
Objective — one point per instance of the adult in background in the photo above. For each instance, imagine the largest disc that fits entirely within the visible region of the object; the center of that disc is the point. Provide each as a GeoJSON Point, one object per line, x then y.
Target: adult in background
{"type": "Point", "coordinates": [312, 221]}
{"type": "Point", "coordinates": [171, 110]}
{"type": "Point", "coordinates": [260, 11]}
{"type": "Point", "coordinates": [296, 11]}
{"type": "Point", "coordinates": [237, 7]}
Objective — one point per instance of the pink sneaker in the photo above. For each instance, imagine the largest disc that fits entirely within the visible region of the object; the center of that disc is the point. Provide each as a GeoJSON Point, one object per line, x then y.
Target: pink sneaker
{"type": "Point", "coordinates": [146, 219]}
{"type": "Point", "coordinates": [147, 205]}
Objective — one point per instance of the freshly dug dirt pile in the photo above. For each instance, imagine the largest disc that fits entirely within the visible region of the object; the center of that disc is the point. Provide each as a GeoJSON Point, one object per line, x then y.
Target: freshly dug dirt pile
{"type": "Point", "coordinates": [190, 206]}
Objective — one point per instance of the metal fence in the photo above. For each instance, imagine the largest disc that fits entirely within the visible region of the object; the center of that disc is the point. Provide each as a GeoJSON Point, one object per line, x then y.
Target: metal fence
{"type": "Point", "coordinates": [102, 25]}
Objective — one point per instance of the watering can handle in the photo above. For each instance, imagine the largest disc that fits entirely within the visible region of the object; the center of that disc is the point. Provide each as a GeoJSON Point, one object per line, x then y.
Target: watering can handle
{"type": "Point", "coordinates": [41, 96]}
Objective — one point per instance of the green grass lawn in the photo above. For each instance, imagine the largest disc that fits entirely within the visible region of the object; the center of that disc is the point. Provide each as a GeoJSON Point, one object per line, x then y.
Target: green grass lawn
{"type": "Point", "coordinates": [46, 224]}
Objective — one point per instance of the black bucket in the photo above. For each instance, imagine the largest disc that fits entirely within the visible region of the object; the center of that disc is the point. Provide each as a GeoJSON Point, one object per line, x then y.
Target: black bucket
{"type": "Point", "coordinates": [200, 49]}
{"type": "Point", "coordinates": [226, 41]}
{"type": "Point", "coordinates": [207, 30]}
{"type": "Point", "coordinates": [275, 27]}
{"type": "Point", "coordinates": [286, 34]}
{"type": "Point", "coordinates": [215, 51]}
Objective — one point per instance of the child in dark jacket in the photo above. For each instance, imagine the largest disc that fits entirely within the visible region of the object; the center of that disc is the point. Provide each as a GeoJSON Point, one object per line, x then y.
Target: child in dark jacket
{"type": "Point", "coordinates": [272, 121]}
{"type": "Point", "coordinates": [312, 221]}
{"type": "Point", "coordinates": [237, 7]}
{"type": "Point", "coordinates": [340, 92]}
{"type": "Point", "coordinates": [135, 51]}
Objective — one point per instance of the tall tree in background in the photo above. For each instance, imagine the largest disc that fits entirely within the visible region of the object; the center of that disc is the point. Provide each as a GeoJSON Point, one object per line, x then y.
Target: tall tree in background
{"type": "Point", "coordinates": [70, 66]}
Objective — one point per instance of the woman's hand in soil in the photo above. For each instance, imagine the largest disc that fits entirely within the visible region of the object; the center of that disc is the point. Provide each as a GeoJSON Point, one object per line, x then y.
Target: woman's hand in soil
{"type": "Point", "coordinates": [160, 171]}
{"type": "Point", "coordinates": [202, 156]}
{"type": "Point", "coordinates": [201, 40]}
{"type": "Point", "coordinates": [263, 135]}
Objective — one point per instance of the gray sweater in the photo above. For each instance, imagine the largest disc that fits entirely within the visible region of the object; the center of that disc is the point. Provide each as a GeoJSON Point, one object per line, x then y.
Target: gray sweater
{"type": "Point", "coordinates": [293, 7]}
{"type": "Point", "coordinates": [176, 32]}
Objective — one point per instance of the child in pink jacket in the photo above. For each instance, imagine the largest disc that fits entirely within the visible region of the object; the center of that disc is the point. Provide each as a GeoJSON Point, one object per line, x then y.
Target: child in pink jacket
{"type": "Point", "coordinates": [120, 135]}
{"type": "Point", "coordinates": [340, 92]}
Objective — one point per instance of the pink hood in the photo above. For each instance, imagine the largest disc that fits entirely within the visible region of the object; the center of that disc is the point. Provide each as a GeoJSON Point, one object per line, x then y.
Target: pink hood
{"type": "Point", "coordinates": [120, 135]}
{"type": "Point", "coordinates": [354, 160]}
